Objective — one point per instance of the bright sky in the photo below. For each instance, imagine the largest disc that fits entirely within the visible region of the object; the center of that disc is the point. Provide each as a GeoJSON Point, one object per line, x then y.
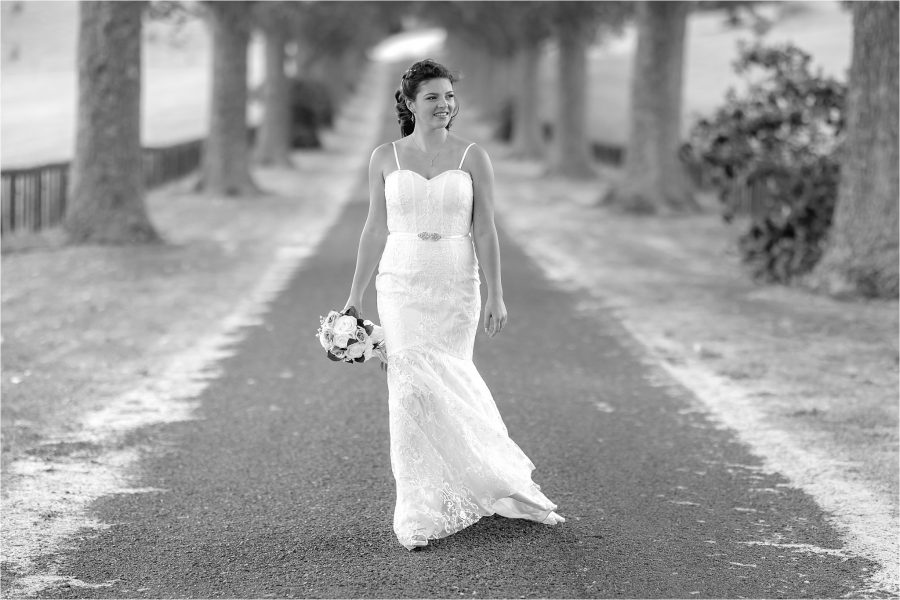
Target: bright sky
{"type": "Point", "coordinates": [410, 44]}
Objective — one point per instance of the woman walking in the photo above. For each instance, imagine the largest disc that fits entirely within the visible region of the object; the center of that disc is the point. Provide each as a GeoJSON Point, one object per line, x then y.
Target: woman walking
{"type": "Point", "coordinates": [429, 227]}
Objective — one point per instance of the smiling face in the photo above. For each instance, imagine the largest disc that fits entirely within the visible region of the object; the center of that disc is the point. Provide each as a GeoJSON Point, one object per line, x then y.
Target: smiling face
{"type": "Point", "coordinates": [435, 103]}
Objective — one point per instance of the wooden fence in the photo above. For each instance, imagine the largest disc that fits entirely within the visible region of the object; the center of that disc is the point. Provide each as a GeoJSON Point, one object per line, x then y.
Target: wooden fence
{"type": "Point", "coordinates": [35, 198]}
{"type": "Point", "coordinates": [162, 165]}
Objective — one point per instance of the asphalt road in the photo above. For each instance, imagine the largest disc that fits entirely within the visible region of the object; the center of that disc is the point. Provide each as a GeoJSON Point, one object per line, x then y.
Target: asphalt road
{"type": "Point", "coordinates": [283, 487]}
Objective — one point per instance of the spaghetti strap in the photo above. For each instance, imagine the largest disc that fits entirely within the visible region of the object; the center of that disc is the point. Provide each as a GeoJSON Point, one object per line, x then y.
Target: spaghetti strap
{"type": "Point", "coordinates": [395, 154]}
{"type": "Point", "coordinates": [464, 156]}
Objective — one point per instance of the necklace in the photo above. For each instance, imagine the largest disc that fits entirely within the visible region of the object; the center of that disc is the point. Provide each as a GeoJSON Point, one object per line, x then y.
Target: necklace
{"type": "Point", "coordinates": [436, 154]}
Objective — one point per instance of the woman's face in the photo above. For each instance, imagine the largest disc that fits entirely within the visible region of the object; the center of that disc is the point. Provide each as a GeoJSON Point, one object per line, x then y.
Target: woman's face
{"type": "Point", "coordinates": [435, 103]}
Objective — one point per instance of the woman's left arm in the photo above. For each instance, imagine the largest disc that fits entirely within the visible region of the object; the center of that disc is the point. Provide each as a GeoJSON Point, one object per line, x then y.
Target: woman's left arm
{"type": "Point", "coordinates": [485, 235]}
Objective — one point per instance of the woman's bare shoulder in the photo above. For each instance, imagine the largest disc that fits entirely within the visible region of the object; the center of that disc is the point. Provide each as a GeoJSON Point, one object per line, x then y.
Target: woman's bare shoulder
{"type": "Point", "coordinates": [383, 150]}
{"type": "Point", "coordinates": [476, 157]}
{"type": "Point", "coordinates": [382, 157]}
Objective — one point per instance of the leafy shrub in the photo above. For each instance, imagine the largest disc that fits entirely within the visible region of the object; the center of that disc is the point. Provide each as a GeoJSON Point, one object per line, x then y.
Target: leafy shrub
{"type": "Point", "coordinates": [780, 138]}
{"type": "Point", "coordinates": [311, 108]}
{"type": "Point", "coordinates": [311, 111]}
{"type": "Point", "coordinates": [504, 129]}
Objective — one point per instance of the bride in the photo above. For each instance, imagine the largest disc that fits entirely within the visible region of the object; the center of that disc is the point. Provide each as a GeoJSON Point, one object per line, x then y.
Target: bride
{"type": "Point", "coordinates": [430, 224]}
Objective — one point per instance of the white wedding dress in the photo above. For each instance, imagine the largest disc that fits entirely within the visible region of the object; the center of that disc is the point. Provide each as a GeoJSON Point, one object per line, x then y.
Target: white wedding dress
{"type": "Point", "coordinates": [451, 456]}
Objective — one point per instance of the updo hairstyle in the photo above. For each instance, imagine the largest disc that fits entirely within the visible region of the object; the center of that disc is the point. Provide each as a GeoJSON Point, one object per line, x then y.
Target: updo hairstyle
{"type": "Point", "coordinates": [410, 82]}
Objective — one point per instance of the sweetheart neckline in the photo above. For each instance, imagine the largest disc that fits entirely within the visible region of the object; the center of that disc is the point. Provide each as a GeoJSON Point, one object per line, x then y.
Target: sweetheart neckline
{"type": "Point", "coordinates": [428, 178]}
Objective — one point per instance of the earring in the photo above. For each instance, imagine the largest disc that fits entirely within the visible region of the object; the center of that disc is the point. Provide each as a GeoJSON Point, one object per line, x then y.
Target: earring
{"type": "Point", "coordinates": [414, 117]}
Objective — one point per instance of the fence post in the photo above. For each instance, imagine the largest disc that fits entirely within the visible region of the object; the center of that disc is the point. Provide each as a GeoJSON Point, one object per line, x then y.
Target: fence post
{"type": "Point", "coordinates": [38, 200]}
{"type": "Point", "coordinates": [29, 201]}
{"type": "Point", "coordinates": [12, 202]}
{"type": "Point", "coordinates": [4, 209]}
{"type": "Point", "coordinates": [53, 183]}
{"type": "Point", "coordinates": [64, 196]}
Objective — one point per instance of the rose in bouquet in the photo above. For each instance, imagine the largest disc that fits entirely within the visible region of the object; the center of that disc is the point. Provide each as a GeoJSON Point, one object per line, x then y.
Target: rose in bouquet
{"type": "Point", "coordinates": [349, 338]}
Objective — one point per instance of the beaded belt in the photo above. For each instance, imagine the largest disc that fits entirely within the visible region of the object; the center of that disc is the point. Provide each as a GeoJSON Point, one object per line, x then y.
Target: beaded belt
{"type": "Point", "coordinates": [427, 235]}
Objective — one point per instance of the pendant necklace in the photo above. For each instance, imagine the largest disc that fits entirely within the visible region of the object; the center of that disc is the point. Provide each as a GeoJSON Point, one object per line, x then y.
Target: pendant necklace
{"type": "Point", "coordinates": [438, 153]}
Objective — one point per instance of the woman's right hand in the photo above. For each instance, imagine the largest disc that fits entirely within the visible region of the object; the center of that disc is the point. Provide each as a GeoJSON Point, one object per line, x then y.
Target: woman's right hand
{"type": "Point", "coordinates": [357, 302]}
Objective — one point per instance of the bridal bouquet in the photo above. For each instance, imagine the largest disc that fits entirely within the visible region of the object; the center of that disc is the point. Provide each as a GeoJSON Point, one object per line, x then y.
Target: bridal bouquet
{"type": "Point", "coordinates": [348, 338]}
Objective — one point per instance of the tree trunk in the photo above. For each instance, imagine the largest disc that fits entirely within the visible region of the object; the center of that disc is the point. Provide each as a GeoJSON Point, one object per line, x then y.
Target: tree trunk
{"type": "Point", "coordinates": [479, 85]}
{"type": "Point", "coordinates": [465, 58]}
{"type": "Point", "coordinates": [654, 178]}
{"type": "Point", "coordinates": [349, 63]}
{"type": "Point", "coordinates": [569, 150]}
{"type": "Point", "coordinates": [226, 161]}
{"type": "Point", "coordinates": [527, 140]}
{"type": "Point", "coordinates": [273, 141]}
{"type": "Point", "coordinates": [862, 255]}
{"type": "Point", "coordinates": [325, 71]}
{"type": "Point", "coordinates": [501, 85]}
{"type": "Point", "coordinates": [106, 191]}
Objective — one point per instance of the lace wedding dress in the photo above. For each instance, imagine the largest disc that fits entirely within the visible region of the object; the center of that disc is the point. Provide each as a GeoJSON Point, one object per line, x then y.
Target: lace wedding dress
{"type": "Point", "coordinates": [451, 456]}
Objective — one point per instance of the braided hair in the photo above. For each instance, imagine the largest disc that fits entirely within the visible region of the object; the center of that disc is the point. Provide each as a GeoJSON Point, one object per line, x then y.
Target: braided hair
{"type": "Point", "coordinates": [410, 82]}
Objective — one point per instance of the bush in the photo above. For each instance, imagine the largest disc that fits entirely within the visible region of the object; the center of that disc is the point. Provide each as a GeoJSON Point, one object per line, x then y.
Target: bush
{"type": "Point", "coordinates": [781, 139]}
{"type": "Point", "coordinates": [311, 110]}
{"type": "Point", "coordinates": [504, 129]}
